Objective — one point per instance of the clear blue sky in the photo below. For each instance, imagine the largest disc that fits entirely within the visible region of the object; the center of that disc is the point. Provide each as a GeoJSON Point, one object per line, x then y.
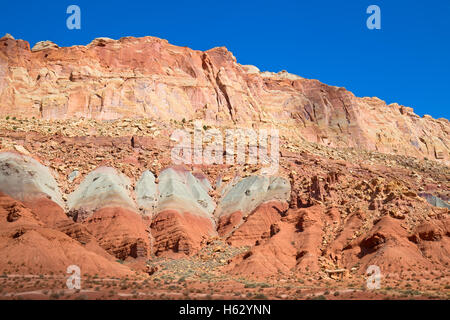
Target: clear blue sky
{"type": "Point", "coordinates": [407, 61]}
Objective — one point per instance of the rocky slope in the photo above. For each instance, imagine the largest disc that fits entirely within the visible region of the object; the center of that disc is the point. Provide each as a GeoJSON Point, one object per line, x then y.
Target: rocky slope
{"type": "Point", "coordinates": [87, 177]}
{"type": "Point", "coordinates": [327, 209]}
{"type": "Point", "coordinates": [150, 78]}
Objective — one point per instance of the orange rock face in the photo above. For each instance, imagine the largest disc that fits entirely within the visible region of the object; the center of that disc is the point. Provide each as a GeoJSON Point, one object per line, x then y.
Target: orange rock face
{"type": "Point", "coordinates": [150, 78]}
{"type": "Point", "coordinates": [29, 246]}
{"type": "Point", "coordinates": [290, 241]}
{"type": "Point", "coordinates": [258, 225]}
{"type": "Point", "coordinates": [180, 233]}
{"type": "Point", "coordinates": [121, 232]}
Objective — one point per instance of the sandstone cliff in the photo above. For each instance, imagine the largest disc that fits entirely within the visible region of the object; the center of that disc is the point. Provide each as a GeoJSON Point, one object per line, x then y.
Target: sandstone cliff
{"type": "Point", "coordinates": [150, 78]}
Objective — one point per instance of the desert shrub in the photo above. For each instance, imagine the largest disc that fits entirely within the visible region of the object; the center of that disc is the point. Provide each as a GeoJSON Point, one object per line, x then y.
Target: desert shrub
{"type": "Point", "coordinates": [54, 295]}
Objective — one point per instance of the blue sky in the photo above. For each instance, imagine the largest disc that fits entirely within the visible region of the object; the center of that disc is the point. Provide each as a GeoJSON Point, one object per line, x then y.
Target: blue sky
{"type": "Point", "coordinates": [407, 61]}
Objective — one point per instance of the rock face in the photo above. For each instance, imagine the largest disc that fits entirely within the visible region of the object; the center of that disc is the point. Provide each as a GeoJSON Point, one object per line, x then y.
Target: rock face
{"type": "Point", "coordinates": [29, 246]}
{"type": "Point", "coordinates": [147, 192]}
{"type": "Point", "coordinates": [288, 241]}
{"type": "Point", "coordinates": [43, 45]}
{"type": "Point", "coordinates": [328, 215]}
{"type": "Point", "coordinates": [103, 187]}
{"type": "Point", "coordinates": [148, 77]}
{"type": "Point", "coordinates": [120, 232]}
{"type": "Point", "coordinates": [184, 212]}
{"type": "Point", "coordinates": [25, 179]}
{"type": "Point", "coordinates": [241, 199]}
{"type": "Point", "coordinates": [250, 192]}
{"type": "Point", "coordinates": [103, 204]}
{"type": "Point", "coordinates": [385, 245]}
{"type": "Point", "coordinates": [180, 190]}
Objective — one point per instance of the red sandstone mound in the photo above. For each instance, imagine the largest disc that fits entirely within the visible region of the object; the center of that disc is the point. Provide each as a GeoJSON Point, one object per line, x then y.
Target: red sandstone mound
{"type": "Point", "coordinates": [271, 240]}
{"type": "Point", "coordinates": [103, 205]}
{"type": "Point", "coordinates": [28, 246]}
{"type": "Point", "coordinates": [389, 246]}
{"type": "Point", "coordinates": [179, 232]}
{"type": "Point", "coordinates": [184, 213]}
{"type": "Point", "coordinates": [235, 212]}
{"type": "Point", "coordinates": [256, 226]}
{"type": "Point", "coordinates": [330, 216]}
{"type": "Point", "coordinates": [290, 241]}
{"type": "Point", "coordinates": [120, 232]}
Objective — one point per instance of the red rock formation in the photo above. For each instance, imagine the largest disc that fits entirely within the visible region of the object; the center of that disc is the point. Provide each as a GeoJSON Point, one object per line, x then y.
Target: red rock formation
{"type": "Point", "coordinates": [255, 226]}
{"type": "Point", "coordinates": [148, 77]}
{"type": "Point", "coordinates": [29, 246]}
{"type": "Point", "coordinates": [47, 211]}
{"type": "Point", "coordinates": [389, 246]}
{"type": "Point", "coordinates": [309, 222]}
{"type": "Point", "coordinates": [120, 232]}
{"type": "Point", "coordinates": [285, 242]}
{"type": "Point", "coordinates": [180, 233]}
